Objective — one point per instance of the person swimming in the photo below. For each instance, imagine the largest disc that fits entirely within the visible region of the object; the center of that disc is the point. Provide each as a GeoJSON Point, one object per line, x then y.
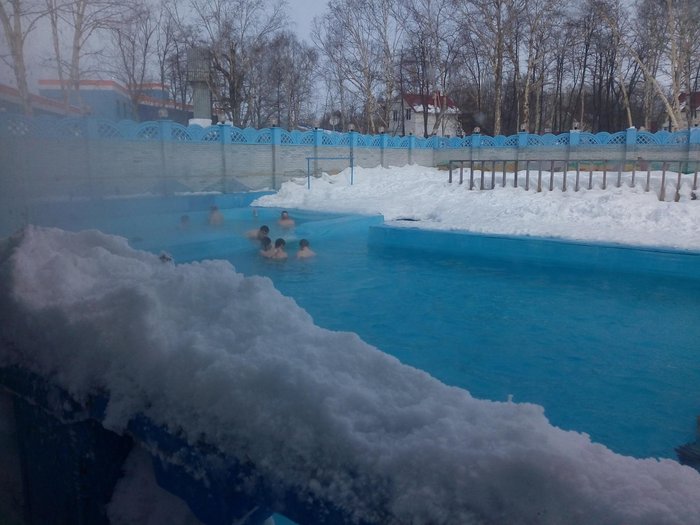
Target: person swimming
{"type": "Point", "coordinates": [258, 234]}
{"type": "Point", "coordinates": [266, 248]}
{"type": "Point", "coordinates": [285, 220]}
{"type": "Point", "coordinates": [184, 222]}
{"type": "Point", "coordinates": [279, 249]}
{"type": "Point", "coordinates": [216, 218]}
{"type": "Point", "coordinates": [304, 250]}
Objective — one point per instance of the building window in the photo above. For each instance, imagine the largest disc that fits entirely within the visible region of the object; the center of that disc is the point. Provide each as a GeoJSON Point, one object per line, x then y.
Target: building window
{"type": "Point", "coordinates": [408, 114]}
{"type": "Point", "coordinates": [395, 115]}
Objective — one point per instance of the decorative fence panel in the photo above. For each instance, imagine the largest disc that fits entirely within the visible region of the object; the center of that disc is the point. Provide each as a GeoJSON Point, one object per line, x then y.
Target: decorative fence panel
{"type": "Point", "coordinates": [47, 157]}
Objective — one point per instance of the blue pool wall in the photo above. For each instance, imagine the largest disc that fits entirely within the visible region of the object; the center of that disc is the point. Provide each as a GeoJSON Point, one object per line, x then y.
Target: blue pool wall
{"type": "Point", "coordinates": [129, 216]}
{"type": "Point", "coordinates": [63, 212]}
{"type": "Point", "coordinates": [542, 251]}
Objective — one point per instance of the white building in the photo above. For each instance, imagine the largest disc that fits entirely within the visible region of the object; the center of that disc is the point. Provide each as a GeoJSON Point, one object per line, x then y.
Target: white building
{"type": "Point", "coordinates": [407, 115]}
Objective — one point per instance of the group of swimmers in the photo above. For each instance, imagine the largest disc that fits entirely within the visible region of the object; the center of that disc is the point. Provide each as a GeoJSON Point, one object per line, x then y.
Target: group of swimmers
{"type": "Point", "coordinates": [277, 250]}
{"type": "Point", "coordinates": [216, 218]}
{"type": "Point", "coordinates": [267, 249]}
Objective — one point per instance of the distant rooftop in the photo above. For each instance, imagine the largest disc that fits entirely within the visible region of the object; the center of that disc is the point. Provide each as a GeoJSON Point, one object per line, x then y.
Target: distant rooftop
{"type": "Point", "coordinates": [10, 96]}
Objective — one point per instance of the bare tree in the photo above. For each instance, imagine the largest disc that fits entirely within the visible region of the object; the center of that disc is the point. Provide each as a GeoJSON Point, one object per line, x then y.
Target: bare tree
{"type": "Point", "coordinates": [488, 20]}
{"type": "Point", "coordinates": [472, 75]}
{"type": "Point", "coordinates": [684, 27]}
{"type": "Point", "coordinates": [233, 30]}
{"type": "Point", "coordinates": [53, 11]}
{"type": "Point", "coordinates": [432, 32]}
{"type": "Point", "coordinates": [533, 22]}
{"type": "Point", "coordinates": [166, 33]}
{"type": "Point", "coordinates": [175, 36]}
{"type": "Point", "coordinates": [288, 68]}
{"type": "Point", "coordinates": [346, 37]}
{"type": "Point", "coordinates": [383, 15]}
{"type": "Point", "coordinates": [19, 19]}
{"type": "Point", "coordinates": [133, 40]}
{"type": "Point", "coordinates": [649, 30]}
{"type": "Point", "coordinates": [681, 31]}
{"type": "Point", "coordinates": [75, 30]}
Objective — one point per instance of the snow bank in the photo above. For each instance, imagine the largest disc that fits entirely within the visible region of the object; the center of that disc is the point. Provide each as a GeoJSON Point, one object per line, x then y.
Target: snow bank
{"type": "Point", "coordinates": [203, 349]}
{"type": "Point", "coordinates": [619, 215]}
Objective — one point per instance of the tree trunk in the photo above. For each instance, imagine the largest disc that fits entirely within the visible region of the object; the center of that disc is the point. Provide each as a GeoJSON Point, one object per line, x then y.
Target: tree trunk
{"type": "Point", "coordinates": [15, 35]}
{"type": "Point", "coordinates": [498, 80]}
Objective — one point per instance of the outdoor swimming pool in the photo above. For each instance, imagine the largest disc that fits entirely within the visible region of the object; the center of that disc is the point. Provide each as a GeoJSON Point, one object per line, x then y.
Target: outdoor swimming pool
{"type": "Point", "coordinates": [606, 352]}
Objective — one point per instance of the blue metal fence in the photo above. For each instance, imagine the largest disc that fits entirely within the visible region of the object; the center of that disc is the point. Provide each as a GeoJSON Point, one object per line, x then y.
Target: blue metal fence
{"type": "Point", "coordinates": [168, 131]}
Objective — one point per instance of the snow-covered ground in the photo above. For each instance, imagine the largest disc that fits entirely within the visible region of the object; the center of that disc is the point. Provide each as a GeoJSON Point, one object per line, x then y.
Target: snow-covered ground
{"type": "Point", "coordinates": [209, 352]}
{"type": "Point", "coordinates": [620, 215]}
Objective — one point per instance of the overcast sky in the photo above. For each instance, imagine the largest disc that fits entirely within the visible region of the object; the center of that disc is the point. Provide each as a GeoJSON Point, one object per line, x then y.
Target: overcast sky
{"type": "Point", "coordinates": [302, 13]}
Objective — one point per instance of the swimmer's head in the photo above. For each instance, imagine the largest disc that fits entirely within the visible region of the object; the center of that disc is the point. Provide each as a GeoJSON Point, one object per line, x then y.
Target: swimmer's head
{"type": "Point", "coordinates": [279, 243]}
{"type": "Point", "coordinates": [284, 215]}
{"type": "Point", "coordinates": [303, 243]}
{"type": "Point", "coordinates": [265, 243]}
{"type": "Point", "coordinates": [264, 229]}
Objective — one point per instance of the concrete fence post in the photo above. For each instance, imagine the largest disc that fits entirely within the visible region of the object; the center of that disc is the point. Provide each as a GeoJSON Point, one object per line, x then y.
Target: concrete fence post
{"type": "Point", "coordinates": [165, 133]}
{"type": "Point", "coordinates": [353, 143]}
{"type": "Point", "coordinates": [93, 128]}
{"type": "Point", "coordinates": [475, 146]}
{"type": "Point", "coordinates": [382, 149]}
{"type": "Point", "coordinates": [572, 150]}
{"type": "Point", "coordinates": [166, 130]}
{"type": "Point", "coordinates": [630, 151]}
{"type": "Point", "coordinates": [276, 143]}
{"type": "Point", "coordinates": [437, 144]}
{"type": "Point", "coordinates": [522, 148]}
{"type": "Point", "coordinates": [693, 153]}
{"type": "Point", "coordinates": [694, 135]}
{"type": "Point", "coordinates": [411, 147]}
{"type": "Point", "coordinates": [574, 138]}
{"type": "Point", "coordinates": [476, 139]}
{"type": "Point", "coordinates": [317, 145]}
{"type": "Point", "coordinates": [92, 133]}
{"type": "Point", "coordinates": [574, 141]}
{"type": "Point", "coordinates": [522, 139]}
{"type": "Point", "coordinates": [224, 139]}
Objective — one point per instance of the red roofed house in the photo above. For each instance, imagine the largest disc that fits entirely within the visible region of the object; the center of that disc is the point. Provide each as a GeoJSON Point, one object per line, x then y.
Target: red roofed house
{"type": "Point", "coordinates": [408, 112]}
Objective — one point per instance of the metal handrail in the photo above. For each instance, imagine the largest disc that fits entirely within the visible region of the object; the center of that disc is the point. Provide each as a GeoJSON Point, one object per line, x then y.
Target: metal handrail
{"type": "Point", "coordinates": [351, 158]}
{"type": "Point", "coordinates": [644, 165]}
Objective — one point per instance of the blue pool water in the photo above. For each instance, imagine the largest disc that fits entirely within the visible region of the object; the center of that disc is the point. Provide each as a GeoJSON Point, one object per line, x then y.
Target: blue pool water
{"type": "Point", "coordinates": [607, 351]}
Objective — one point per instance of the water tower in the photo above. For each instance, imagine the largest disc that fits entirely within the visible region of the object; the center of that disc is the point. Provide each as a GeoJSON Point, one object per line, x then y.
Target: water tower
{"type": "Point", "coordinates": [198, 76]}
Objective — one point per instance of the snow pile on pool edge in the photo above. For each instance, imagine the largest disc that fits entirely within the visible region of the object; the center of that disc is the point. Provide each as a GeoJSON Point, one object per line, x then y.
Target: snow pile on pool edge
{"type": "Point", "coordinates": [201, 348]}
{"type": "Point", "coordinates": [615, 215]}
